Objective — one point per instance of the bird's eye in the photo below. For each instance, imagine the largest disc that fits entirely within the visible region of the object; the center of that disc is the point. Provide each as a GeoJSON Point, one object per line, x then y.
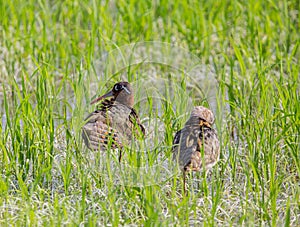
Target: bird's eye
{"type": "Point", "coordinates": [118, 87]}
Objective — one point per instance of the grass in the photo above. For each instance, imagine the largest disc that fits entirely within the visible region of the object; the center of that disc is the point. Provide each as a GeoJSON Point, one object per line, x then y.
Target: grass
{"type": "Point", "coordinates": [56, 55]}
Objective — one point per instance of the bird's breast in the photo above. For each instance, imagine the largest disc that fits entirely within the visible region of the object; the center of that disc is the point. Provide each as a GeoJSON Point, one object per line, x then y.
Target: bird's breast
{"type": "Point", "coordinates": [119, 113]}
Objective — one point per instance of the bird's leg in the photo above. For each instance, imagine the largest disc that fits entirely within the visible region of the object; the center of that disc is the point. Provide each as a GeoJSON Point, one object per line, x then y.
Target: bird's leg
{"type": "Point", "coordinates": [184, 183]}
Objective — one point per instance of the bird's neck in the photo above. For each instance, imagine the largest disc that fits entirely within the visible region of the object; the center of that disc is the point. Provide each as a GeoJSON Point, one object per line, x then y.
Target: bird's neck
{"type": "Point", "coordinates": [125, 100]}
{"type": "Point", "coordinates": [196, 121]}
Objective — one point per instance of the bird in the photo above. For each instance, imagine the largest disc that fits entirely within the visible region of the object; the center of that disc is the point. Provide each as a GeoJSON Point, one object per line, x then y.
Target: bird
{"type": "Point", "coordinates": [115, 122]}
{"type": "Point", "coordinates": [196, 146]}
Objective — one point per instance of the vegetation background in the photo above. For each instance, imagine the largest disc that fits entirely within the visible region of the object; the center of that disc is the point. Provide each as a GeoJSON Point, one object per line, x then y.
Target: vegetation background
{"type": "Point", "coordinates": [49, 67]}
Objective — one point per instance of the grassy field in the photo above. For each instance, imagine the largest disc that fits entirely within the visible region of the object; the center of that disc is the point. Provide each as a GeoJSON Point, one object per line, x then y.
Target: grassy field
{"type": "Point", "coordinates": [241, 58]}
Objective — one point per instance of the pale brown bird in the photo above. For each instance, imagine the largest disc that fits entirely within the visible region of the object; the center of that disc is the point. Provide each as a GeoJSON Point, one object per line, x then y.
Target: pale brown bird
{"type": "Point", "coordinates": [115, 122]}
{"type": "Point", "coordinates": [196, 146]}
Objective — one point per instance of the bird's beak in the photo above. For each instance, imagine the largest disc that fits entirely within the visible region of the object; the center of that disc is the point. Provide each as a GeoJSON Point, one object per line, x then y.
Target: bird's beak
{"type": "Point", "coordinates": [109, 94]}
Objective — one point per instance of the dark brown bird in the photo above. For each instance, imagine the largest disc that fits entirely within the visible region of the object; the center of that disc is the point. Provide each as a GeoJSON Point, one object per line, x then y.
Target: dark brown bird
{"type": "Point", "coordinates": [115, 122]}
{"type": "Point", "coordinates": [196, 146]}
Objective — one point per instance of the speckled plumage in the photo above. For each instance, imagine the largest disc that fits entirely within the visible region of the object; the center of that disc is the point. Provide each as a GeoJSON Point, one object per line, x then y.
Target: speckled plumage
{"type": "Point", "coordinates": [115, 122]}
{"type": "Point", "coordinates": [196, 146]}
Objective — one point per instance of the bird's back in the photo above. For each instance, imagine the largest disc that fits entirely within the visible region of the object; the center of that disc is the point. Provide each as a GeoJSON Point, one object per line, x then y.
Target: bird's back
{"type": "Point", "coordinates": [112, 124]}
{"type": "Point", "coordinates": [195, 139]}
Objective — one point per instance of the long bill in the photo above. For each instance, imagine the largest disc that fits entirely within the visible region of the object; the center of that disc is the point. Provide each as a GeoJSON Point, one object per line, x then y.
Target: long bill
{"type": "Point", "coordinates": [109, 94]}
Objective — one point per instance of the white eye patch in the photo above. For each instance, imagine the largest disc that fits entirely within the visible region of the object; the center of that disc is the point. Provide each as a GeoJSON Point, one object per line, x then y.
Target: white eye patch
{"type": "Point", "coordinates": [126, 90]}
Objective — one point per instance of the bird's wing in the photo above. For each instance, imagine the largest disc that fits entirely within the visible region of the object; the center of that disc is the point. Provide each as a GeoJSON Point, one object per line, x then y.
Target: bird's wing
{"type": "Point", "coordinates": [98, 134]}
{"type": "Point", "coordinates": [191, 142]}
{"type": "Point", "coordinates": [208, 144]}
{"type": "Point", "coordinates": [176, 139]}
{"type": "Point", "coordinates": [136, 122]}
{"type": "Point", "coordinates": [184, 145]}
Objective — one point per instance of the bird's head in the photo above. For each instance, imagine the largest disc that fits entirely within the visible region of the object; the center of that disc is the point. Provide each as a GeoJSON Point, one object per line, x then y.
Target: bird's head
{"type": "Point", "coordinates": [203, 113]}
{"type": "Point", "coordinates": [121, 92]}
